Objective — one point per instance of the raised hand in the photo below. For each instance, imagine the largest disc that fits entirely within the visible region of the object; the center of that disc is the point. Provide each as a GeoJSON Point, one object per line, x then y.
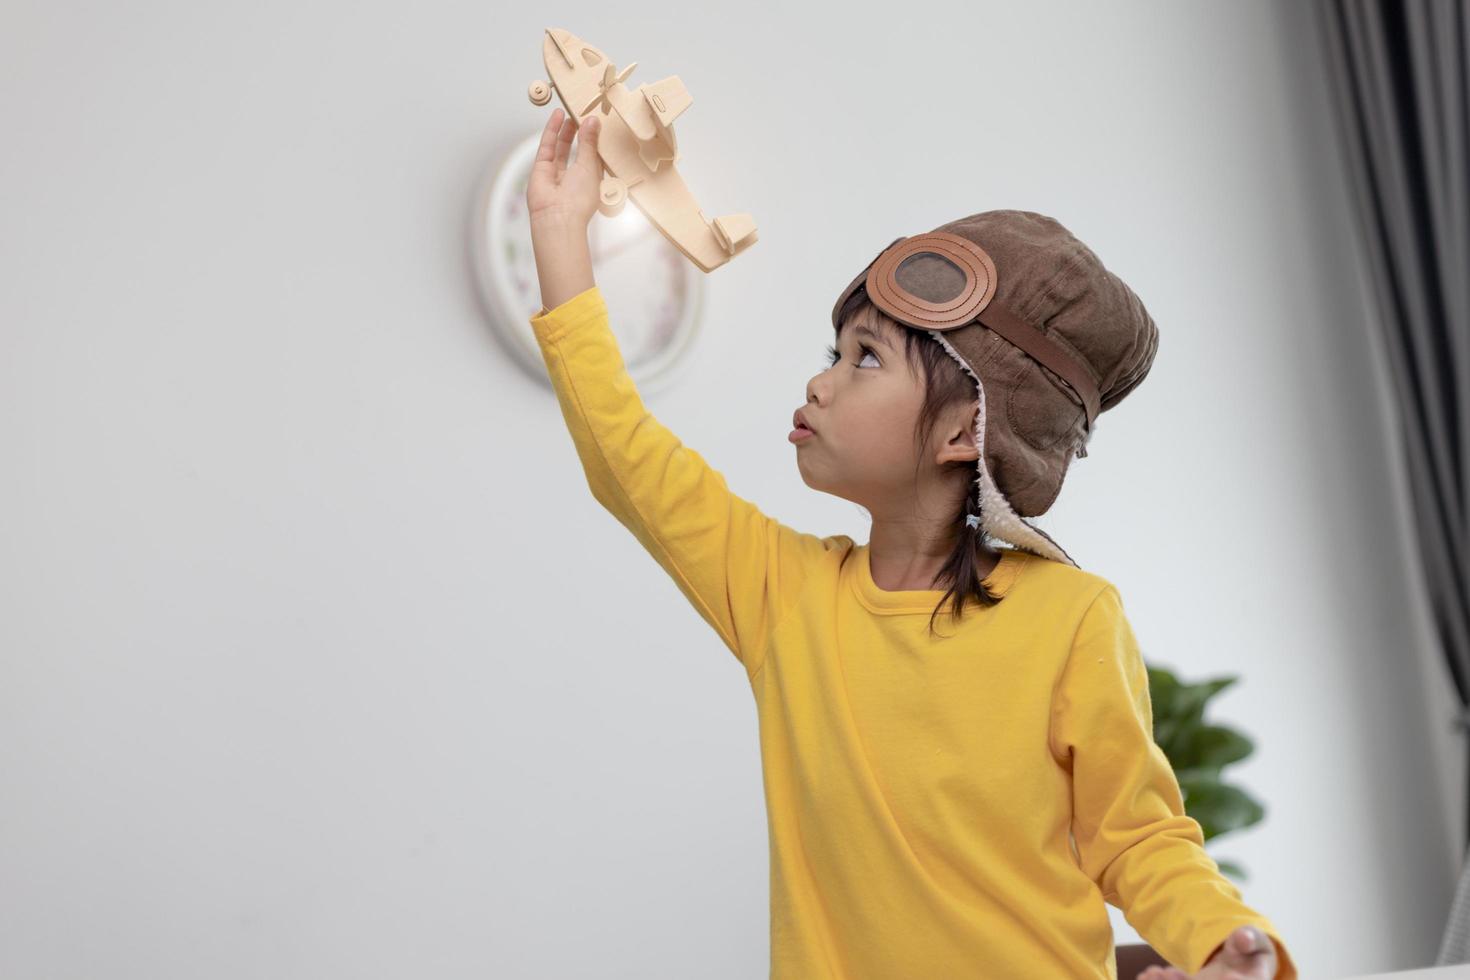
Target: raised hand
{"type": "Point", "coordinates": [561, 200]}
{"type": "Point", "coordinates": [556, 193]}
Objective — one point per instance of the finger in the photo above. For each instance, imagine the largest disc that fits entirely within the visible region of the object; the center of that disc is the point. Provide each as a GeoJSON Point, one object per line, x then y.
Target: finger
{"type": "Point", "coordinates": [564, 145]}
{"type": "Point", "coordinates": [1251, 940]}
{"type": "Point", "coordinates": [587, 157]}
{"type": "Point", "coordinates": [545, 152]}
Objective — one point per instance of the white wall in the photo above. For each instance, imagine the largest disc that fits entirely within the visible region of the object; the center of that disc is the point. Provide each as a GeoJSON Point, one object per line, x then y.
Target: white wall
{"type": "Point", "coordinates": [317, 659]}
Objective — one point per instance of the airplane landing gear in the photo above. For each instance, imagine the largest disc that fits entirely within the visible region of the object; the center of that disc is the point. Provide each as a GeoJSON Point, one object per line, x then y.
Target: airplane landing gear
{"type": "Point", "coordinates": [612, 194]}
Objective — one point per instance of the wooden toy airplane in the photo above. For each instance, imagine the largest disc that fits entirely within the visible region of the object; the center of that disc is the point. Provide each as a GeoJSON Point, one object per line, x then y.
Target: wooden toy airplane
{"type": "Point", "coordinates": [637, 147]}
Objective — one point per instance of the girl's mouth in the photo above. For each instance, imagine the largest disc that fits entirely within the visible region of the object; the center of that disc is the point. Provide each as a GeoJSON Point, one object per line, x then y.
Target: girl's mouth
{"type": "Point", "coordinates": [800, 434]}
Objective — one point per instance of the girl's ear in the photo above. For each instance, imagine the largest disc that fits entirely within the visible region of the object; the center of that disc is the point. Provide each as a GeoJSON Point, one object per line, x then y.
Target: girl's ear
{"type": "Point", "coordinates": [959, 435]}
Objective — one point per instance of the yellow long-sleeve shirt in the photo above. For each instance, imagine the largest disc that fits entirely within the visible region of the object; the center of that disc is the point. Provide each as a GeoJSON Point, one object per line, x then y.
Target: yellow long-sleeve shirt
{"type": "Point", "coordinates": [922, 794]}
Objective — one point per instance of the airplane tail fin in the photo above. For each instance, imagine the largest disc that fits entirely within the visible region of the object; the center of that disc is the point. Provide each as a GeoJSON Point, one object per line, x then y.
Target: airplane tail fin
{"type": "Point", "coordinates": [735, 232]}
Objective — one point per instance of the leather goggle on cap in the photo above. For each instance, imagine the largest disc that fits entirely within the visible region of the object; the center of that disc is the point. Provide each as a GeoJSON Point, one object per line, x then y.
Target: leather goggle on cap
{"type": "Point", "coordinates": [1051, 338]}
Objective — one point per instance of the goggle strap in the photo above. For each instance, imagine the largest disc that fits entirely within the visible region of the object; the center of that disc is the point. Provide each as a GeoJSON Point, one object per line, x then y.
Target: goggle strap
{"type": "Point", "coordinates": [1048, 352]}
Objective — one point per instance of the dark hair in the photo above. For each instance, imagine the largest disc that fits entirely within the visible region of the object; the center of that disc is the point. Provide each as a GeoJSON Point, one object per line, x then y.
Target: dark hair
{"type": "Point", "coordinates": [945, 383]}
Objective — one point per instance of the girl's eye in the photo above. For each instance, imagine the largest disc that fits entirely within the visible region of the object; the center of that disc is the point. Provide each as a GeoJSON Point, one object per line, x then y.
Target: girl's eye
{"type": "Point", "coordinates": [834, 356]}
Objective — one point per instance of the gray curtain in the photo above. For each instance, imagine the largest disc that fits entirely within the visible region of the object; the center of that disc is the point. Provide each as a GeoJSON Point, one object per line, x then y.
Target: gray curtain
{"type": "Point", "coordinates": [1398, 75]}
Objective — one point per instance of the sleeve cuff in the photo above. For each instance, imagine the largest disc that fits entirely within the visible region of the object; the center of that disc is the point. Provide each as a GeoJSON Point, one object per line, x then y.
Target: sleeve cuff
{"type": "Point", "coordinates": [1285, 965]}
{"type": "Point", "coordinates": [1286, 968]}
{"type": "Point", "coordinates": [586, 306]}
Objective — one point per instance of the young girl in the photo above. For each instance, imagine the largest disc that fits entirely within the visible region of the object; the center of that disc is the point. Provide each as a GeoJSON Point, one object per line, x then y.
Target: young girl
{"type": "Point", "coordinates": [940, 803]}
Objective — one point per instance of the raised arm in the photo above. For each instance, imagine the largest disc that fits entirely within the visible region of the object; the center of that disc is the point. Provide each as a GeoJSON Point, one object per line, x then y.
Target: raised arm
{"type": "Point", "coordinates": [1133, 836]}
{"type": "Point", "coordinates": [740, 569]}
{"type": "Point", "coordinates": [561, 200]}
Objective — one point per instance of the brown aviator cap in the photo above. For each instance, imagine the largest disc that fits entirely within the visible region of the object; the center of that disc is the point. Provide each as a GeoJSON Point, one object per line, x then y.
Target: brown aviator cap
{"type": "Point", "coordinates": [1051, 338]}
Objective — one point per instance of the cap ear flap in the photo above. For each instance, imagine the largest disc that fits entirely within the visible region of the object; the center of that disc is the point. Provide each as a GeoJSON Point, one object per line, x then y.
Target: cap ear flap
{"type": "Point", "coordinates": [1042, 409]}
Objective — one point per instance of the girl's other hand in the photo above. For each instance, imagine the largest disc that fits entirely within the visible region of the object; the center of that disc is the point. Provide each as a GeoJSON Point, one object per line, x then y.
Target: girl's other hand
{"type": "Point", "coordinates": [1246, 954]}
{"type": "Point", "coordinates": [561, 196]}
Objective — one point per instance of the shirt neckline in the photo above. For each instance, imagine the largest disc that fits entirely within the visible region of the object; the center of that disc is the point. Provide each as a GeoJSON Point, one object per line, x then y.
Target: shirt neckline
{"type": "Point", "coordinates": [1000, 580]}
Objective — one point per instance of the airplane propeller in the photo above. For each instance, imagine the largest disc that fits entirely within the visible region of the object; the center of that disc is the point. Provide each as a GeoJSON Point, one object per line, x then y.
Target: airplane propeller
{"type": "Point", "coordinates": [608, 81]}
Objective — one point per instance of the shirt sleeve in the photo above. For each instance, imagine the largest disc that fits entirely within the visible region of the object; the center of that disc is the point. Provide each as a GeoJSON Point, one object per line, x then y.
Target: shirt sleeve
{"type": "Point", "coordinates": [1133, 836]}
{"type": "Point", "coordinates": [738, 567]}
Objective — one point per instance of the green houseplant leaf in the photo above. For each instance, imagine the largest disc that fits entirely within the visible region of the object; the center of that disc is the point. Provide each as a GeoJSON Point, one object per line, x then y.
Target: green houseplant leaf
{"type": "Point", "coordinates": [1198, 751]}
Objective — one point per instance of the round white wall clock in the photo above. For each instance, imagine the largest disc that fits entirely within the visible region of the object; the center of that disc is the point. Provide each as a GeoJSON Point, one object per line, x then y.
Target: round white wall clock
{"type": "Point", "coordinates": [654, 294]}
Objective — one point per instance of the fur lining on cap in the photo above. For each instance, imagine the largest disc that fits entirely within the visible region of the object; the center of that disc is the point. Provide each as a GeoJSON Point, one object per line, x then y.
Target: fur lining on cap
{"type": "Point", "coordinates": [997, 517]}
